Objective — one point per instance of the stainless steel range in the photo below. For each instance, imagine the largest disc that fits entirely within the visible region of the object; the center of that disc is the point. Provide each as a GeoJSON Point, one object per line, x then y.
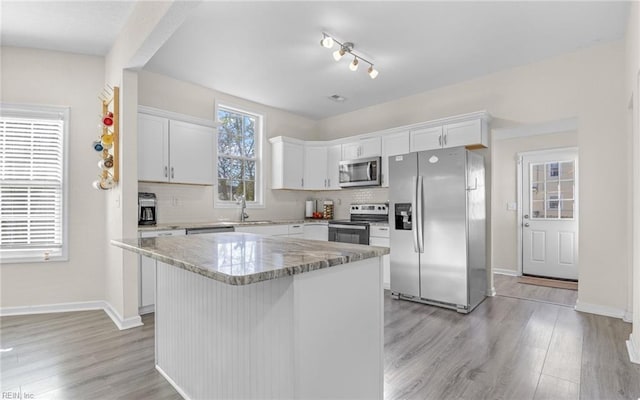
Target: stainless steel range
{"type": "Point", "coordinates": [356, 228]}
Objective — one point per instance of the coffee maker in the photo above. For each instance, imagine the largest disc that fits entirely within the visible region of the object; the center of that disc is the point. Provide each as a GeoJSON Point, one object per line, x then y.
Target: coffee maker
{"type": "Point", "coordinates": [146, 208]}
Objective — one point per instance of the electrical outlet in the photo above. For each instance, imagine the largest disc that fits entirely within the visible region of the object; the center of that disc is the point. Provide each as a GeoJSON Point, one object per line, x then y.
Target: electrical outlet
{"type": "Point", "coordinates": [512, 206]}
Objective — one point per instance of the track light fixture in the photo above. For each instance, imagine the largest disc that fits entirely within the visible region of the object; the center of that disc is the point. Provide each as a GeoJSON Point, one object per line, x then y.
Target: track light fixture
{"type": "Point", "coordinates": [347, 47]}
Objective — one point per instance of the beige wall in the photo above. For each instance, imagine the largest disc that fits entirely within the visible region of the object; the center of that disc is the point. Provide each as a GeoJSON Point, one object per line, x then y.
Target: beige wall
{"type": "Point", "coordinates": [632, 91]}
{"type": "Point", "coordinates": [584, 84]}
{"type": "Point", "coordinates": [195, 203]}
{"type": "Point", "coordinates": [504, 222]}
{"type": "Point", "coordinates": [40, 77]}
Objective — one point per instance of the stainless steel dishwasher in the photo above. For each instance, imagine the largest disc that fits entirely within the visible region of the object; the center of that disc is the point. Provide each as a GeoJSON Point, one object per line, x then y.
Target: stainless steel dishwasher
{"type": "Point", "coordinates": [210, 229]}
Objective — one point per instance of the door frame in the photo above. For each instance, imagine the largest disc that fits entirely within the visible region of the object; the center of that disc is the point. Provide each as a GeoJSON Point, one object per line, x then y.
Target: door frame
{"type": "Point", "coordinates": [519, 180]}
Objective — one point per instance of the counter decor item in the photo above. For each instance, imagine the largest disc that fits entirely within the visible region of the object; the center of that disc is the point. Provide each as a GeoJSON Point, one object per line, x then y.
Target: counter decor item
{"type": "Point", "coordinates": [108, 144]}
{"type": "Point", "coordinates": [328, 209]}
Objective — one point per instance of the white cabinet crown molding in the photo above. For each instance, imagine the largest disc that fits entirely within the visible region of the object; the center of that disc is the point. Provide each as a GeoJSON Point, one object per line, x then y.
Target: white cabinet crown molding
{"type": "Point", "coordinates": [177, 116]}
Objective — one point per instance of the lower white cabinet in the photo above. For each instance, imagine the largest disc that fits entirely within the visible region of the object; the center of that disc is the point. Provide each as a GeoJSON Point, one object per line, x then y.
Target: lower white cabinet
{"type": "Point", "coordinates": [147, 273]}
{"type": "Point", "coordinates": [379, 236]}
{"type": "Point", "coordinates": [316, 231]}
{"type": "Point", "coordinates": [291, 230]}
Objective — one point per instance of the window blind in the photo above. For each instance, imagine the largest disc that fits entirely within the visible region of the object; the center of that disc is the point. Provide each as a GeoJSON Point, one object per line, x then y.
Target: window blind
{"type": "Point", "coordinates": [31, 184]}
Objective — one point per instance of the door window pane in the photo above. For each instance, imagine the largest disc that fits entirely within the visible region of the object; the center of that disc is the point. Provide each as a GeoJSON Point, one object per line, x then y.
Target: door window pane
{"type": "Point", "coordinates": [552, 190]}
{"type": "Point", "coordinates": [537, 209]}
{"type": "Point", "coordinates": [566, 209]}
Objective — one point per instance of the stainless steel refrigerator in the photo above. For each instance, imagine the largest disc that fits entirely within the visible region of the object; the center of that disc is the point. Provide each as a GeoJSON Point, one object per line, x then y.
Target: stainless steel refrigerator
{"type": "Point", "coordinates": [437, 219]}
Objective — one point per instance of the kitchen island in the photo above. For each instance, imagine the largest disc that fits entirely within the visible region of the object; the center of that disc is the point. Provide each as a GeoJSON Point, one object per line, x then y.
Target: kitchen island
{"type": "Point", "coordinates": [247, 316]}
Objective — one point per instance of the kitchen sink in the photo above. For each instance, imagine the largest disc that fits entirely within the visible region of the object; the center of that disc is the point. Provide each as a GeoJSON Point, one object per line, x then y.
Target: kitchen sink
{"type": "Point", "coordinates": [264, 221]}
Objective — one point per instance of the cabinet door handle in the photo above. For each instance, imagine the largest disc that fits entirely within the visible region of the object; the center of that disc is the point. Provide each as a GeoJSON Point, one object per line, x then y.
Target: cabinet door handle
{"type": "Point", "coordinates": [295, 226]}
{"type": "Point", "coordinates": [440, 140]}
{"type": "Point", "coordinates": [445, 139]}
{"type": "Point", "coordinates": [165, 171]}
{"type": "Point", "coordinates": [329, 182]}
{"type": "Point", "coordinates": [171, 172]}
{"type": "Point", "coordinates": [302, 182]}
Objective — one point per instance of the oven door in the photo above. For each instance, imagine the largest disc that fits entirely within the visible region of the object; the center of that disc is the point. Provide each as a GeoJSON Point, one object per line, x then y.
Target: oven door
{"type": "Point", "coordinates": [356, 234]}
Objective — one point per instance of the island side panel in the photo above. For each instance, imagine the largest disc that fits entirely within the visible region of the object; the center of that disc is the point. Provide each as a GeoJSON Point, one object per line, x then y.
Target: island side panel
{"type": "Point", "coordinates": [218, 341]}
{"type": "Point", "coordinates": [338, 325]}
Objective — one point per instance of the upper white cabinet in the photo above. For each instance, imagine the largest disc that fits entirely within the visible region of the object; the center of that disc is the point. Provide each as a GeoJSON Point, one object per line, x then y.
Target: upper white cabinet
{"type": "Point", "coordinates": [467, 133]}
{"type": "Point", "coordinates": [321, 164]}
{"type": "Point", "coordinates": [287, 163]}
{"type": "Point", "coordinates": [174, 151]}
{"type": "Point", "coordinates": [393, 144]}
{"type": "Point", "coordinates": [473, 133]}
{"type": "Point", "coordinates": [362, 148]}
{"type": "Point", "coordinates": [315, 167]}
{"type": "Point", "coordinates": [426, 138]}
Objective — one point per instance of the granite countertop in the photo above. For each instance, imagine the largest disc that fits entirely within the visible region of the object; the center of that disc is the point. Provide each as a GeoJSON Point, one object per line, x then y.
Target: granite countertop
{"type": "Point", "coordinates": [244, 258]}
{"type": "Point", "coordinates": [187, 225]}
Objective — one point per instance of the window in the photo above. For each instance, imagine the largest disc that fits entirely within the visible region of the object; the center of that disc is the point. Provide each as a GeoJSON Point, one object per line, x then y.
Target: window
{"type": "Point", "coordinates": [552, 190]}
{"type": "Point", "coordinates": [239, 158]}
{"type": "Point", "coordinates": [33, 183]}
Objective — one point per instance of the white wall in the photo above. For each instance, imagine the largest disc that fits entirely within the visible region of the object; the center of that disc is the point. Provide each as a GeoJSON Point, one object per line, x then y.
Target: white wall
{"type": "Point", "coordinates": [585, 84]}
{"type": "Point", "coordinates": [195, 203]}
{"type": "Point", "coordinates": [32, 76]}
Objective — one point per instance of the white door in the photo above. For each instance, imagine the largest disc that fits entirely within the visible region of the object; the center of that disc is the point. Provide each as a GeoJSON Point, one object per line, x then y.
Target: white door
{"type": "Point", "coordinates": [334, 154]}
{"type": "Point", "coordinates": [370, 147]}
{"type": "Point", "coordinates": [550, 214]}
{"type": "Point", "coordinates": [462, 133]}
{"type": "Point", "coordinates": [392, 145]}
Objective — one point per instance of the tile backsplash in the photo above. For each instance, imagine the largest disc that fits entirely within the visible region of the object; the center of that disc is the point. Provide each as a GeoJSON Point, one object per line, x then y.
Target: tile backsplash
{"type": "Point", "coordinates": [194, 203]}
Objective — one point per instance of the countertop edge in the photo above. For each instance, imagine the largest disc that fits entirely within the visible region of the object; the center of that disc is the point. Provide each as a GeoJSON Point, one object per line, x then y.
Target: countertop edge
{"type": "Point", "coordinates": [374, 251]}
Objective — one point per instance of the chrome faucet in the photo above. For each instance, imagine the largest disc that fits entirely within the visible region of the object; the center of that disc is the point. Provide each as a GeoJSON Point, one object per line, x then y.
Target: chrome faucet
{"type": "Point", "coordinates": [240, 200]}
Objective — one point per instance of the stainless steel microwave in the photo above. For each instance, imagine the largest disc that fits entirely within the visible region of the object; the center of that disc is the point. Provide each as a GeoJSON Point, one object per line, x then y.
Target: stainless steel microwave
{"type": "Point", "coordinates": [360, 172]}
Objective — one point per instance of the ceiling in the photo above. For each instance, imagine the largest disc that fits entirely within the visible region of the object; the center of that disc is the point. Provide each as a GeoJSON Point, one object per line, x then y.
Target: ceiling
{"type": "Point", "coordinates": [84, 27]}
{"type": "Point", "coordinates": [269, 52]}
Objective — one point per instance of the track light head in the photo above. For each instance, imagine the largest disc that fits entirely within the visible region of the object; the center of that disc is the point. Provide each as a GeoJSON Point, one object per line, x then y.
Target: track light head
{"type": "Point", "coordinates": [337, 55]}
{"type": "Point", "coordinates": [373, 73]}
{"type": "Point", "coordinates": [327, 41]}
{"type": "Point", "coordinates": [354, 64]}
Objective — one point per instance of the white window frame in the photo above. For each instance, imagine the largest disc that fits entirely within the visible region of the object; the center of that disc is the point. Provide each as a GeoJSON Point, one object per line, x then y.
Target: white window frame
{"type": "Point", "coordinates": [44, 254]}
{"type": "Point", "coordinates": [259, 142]}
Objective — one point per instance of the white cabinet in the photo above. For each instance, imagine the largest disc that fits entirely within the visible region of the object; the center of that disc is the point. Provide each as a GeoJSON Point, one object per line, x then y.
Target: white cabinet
{"type": "Point", "coordinates": [468, 133]}
{"type": "Point", "coordinates": [363, 148]}
{"type": "Point", "coordinates": [147, 273]}
{"type": "Point", "coordinates": [316, 231]}
{"type": "Point", "coordinates": [393, 144]}
{"type": "Point", "coordinates": [287, 163]}
{"type": "Point", "coordinates": [291, 230]}
{"type": "Point", "coordinates": [379, 236]}
{"type": "Point", "coordinates": [471, 133]}
{"type": "Point", "coordinates": [321, 164]}
{"type": "Point", "coordinates": [426, 138]}
{"type": "Point", "coordinates": [315, 167]}
{"type": "Point", "coordinates": [174, 151]}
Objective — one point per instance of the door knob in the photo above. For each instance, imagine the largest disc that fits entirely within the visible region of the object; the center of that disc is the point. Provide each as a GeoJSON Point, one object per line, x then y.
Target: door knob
{"type": "Point", "coordinates": [526, 216]}
{"type": "Point", "coordinates": [526, 224]}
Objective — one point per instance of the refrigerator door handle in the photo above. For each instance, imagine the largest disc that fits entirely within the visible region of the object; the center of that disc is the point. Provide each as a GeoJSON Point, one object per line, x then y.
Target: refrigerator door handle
{"type": "Point", "coordinates": [414, 228]}
{"type": "Point", "coordinates": [420, 218]}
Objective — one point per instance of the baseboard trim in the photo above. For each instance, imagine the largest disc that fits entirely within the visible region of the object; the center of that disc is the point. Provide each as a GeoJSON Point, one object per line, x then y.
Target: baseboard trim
{"type": "Point", "coordinates": [386, 286]}
{"type": "Point", "coordinates": [504, 271]}
{"type": "Point", "coordinates": [600, 310]}
{"type": "Point", "coordinates": [628, 317]}
{"type": "Point", "coordinates": [172, 383]}
{"type": "Point", "coordinates": [634, 352]}
{"type": "Point", "coordinates": [492, 291]}
{"type": "Point", "coordinates": [122, 323]}
{"type": "Point", "coordinates": [105, 306]}
{"type": "Point", "coordinates": [52, 308]}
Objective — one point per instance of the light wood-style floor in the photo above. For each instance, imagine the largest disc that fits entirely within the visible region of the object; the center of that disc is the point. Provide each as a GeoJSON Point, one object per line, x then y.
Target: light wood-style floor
{"type": "Point", "coordinates": [506, 349]}
{"type": "Point", "coordinates": [506, 285]}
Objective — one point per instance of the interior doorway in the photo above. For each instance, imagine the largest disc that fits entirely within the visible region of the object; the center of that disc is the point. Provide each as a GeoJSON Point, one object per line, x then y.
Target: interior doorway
{"type": "Point", "coordinates": [548, 217]}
